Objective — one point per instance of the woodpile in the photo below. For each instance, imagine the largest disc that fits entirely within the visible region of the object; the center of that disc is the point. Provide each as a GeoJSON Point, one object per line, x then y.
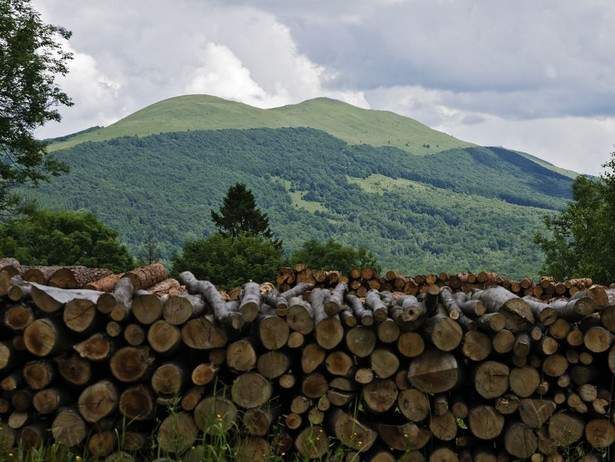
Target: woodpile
{"type": "Point", "coordinates": [400, 371]}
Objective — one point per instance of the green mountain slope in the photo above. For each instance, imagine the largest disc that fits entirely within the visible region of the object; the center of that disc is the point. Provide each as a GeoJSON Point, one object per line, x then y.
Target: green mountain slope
{"type": "Point", "coordinates": [462, 209]}
{"type": "Point", "coordinates": [344, 121]}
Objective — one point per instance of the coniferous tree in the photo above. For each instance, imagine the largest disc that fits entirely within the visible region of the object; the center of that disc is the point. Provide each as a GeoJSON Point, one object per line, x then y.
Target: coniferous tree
{"type": "Point", "coordinates": [239, 216]}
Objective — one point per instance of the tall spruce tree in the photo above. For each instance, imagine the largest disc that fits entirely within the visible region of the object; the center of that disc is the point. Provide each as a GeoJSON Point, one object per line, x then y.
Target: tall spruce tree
{"type": "Point", "coordinates": [239, 216]}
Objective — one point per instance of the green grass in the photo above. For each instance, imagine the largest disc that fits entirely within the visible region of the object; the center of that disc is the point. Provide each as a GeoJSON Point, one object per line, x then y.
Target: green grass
{"type": "Point", "coordinates": [344, 121]}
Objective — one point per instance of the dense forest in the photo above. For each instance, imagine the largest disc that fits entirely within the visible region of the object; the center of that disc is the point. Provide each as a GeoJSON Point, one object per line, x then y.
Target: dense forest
{"type": "Point", "coordinates": [464, 209]}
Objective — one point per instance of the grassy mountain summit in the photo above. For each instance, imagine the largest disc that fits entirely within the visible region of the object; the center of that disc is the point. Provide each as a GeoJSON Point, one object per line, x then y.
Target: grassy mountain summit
{"type": "Point", "coordinates": [351, 124]}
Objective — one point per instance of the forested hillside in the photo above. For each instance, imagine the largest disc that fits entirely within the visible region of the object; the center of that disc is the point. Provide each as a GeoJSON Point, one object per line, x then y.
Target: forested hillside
{"type": "Point", "coordinates": [463, 209]}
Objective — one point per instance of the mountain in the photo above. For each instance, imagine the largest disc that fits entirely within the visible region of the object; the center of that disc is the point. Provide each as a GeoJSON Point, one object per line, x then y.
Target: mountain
{"type": "Point", "coordinates": [349, 123]}
{"type": "Point", "coordinates": [462, 207]}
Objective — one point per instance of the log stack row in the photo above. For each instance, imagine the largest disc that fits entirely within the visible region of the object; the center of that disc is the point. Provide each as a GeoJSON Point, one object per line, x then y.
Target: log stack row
{"type": "Point", "coordinates": [442, 375]}
{"type": "Point", "coordinates": [360, 281]}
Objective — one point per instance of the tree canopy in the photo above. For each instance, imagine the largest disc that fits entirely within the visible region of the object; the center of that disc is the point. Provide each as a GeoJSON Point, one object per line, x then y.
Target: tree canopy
{"type": "Point", "coordinates": [31, 57]}
{"type": "Point", "coordinates": [332, 255]}
{"type": "Point", "coordinates": [228, 262]}
{"type": "Point", "coordinates": [47, 237]}
{"type": "Point", "coordinates": [580, 240]}
{"type": "Point", "coordinates": [239, 216]}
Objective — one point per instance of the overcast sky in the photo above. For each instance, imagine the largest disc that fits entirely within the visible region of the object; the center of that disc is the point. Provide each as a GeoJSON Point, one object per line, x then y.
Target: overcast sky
{"type": "Point", "coordinates": [532, 75]}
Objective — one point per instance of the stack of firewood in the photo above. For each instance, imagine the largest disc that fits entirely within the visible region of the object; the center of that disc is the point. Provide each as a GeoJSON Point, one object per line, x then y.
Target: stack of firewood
{"type": "Point", "coordinates": [438, 374]}
{"type": "Point", "coordinates": [360, 281]}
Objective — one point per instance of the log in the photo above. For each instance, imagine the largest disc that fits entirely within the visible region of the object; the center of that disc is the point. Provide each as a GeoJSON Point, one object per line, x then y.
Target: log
{"type": "Point", "coordinates": [18, 317]}
{"type": "Point", "coordinates": [444, 426]}
{"type": "Point", "coordinates": [51, 299]}
{"type": "Point", "coordinates": [328, 331]}
{"type": "Point", "coordinates": [46, 337]}
{"type": "Point", "coordinates": [97, 347]}
{"type": "Point", "coordinates": [443, 332]}
{"type": "Point", "coordinates": [74, 369]}
{"type": "Point", "coordinates": [485, 422]}
{"type": "Point", "coordinates": [250, 390]}
{"type": "Point", "coordinates": [543, 312]}
{"type": "Point", "coordinates": [361, 341]}
{"type": "Point", "coordinates": [340, 363]}
{"type": "Point", "coordinates": [351, 432]}
{"type": "Point", "coordinates": [147, 276]}
{"type": "Point", "coordinates": [314, 385]}
{"type": "Point", "coordinates": [536, 412]}
{"type": "Point", "coordinates": [476, 345]}
{"type": "Point", "coordinates": [98, 401]}
{"type": "Point", "coordinates": [383, 362]}
{"type": "Point", "coordinates": [410, 344]}
{"type": "Point", "coordinates": [273, 331]}
{"type": "Point", "coordinates": [258, 422]}
{"type": "Point", "coordinates": [335, 301]}
{"type": "Point", "coordinates": [365, 316]}
{"type": "Point", "coordinates": [68, 428]}
{"type": "Point", "coordinates": [406, 437]}
{"type": "Point", "coordinates": [300, 316]}
{"type": "Point", "coordinates": [201, 334]}
{"type": "Point", "coordinates": [413, 404]}
{"type": "Point", "coordinates": [411, 308]}
{"type": "Point", "coordinates": [121, 297]}
{"type": "Point", "coordinates": [105, 284]}
{"type": "Point", "coordinates": [131, 364]}
{"type": "Point", "coordinates": [148, 308]}
{"type": "Point", "coordinates": [600, 433]}
{"type": "Point", "coordinates": [312, 442]}
{"type": "Point", "coordinates": [137, 403]}
{"type": "Point", "coordinates": [76, 277]}
{"type": "Point", "coordinates": [375, 304]}
{"type": "Point", "coordinates": [313, 355]}
{"type": "Point", "coordinates": [164, 338]}
{"type": "Point", "coordinates": [565, 428]}
{"type": "Point", "coordinates": [80, 316]}
{"type": "Point", "coordinates": [491, 379]}
{"type": "Point", "coordinates": [379, 395]}
{"type": "Point", "coordinates": [250, 301]}
{"type": "Point", "coordinates": [134, 334]}
{"type": "Point", "coordinates": [574, 309]}
{"type": "Point", "coordinates": [170, 378]}
{"type": "Point", "coordinates": [177, 433]}
{"type": "Point", "coordinates": [177, 309]}
{"type": "Point", "coordinates": [49, 400]}
{"type": "Point", "coordinates": [102, 444]}
{"type": "Point", "coordinates": [434, 371]}
{"type": "Point", "coordinates": [167, 286]}
{"type": "Point", "coordinates": [524, 381]}
{"type": "Point", "coordinates": [388, 331]}
{"type": "Point", "coordinates": [241, 354]}
{"type": "Point", "coordinates": [520, 440]}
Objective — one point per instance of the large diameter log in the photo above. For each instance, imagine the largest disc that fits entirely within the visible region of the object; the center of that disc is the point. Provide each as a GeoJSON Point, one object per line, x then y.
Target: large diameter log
{"type": "Point", "coordinates": [250, 390]}
{"type": "Point", "coordinates": [80, 315]}
{"type": "Point", "coordinates": [406, 437]}
{"type": "Point", "coordinates": [444, 426]}
{"type": "Point", "coordinates": [410, 344]}
{"type": "Point", "coordinates": [413, 404]}
{"type": "Point", "coordinates": [485, 422]}
{"type": "Point", "coordinates": [250, 301]}
{"type": "Point", "coordinates": [524, 381]}
{"type": "Point", "coordinates": [177, 433]}
{"type": "Point", "coordinates": [434, 372]}
{"type": "Point", "coordinates": [380, 395]}
{"type": "Point", "coordinates": [38, 374]}
{"type": "Point", "coordinates": [98, 400]}
{"type": "Point", "coordinates": [476, 345]}
{"type": "Point", "coordinates": [491, 379]}
{"type": "Point", "coordinates": [201, 334]}
{"type": "Point", "coordinates": [131, 364]}
{"type": "Point", "coordinates": [147, 276]}
{"type": "Point", "coordinates": [51, 299]}
{"type": "Point", "coordinates": [575, 308]}
{"type": "Point", "coordinates": [137, 403]}
{"type": "Point", "coordinates": [102, 444]}
{"type": "Point", "coordinates": [49, 400]}
{"type": "Point", "coordinates": [360, 341]}
{"type": "Point", "coordinates": [18, 317]}
{"type": "Point", "coordinates": [600, 433]}
{"type": "Point", "coordinates": [68, 427]}
{"type": "Point", "coordinates": [498, 299]}
{"type": "Point", "coordinates": [351, 432]}
{"type": "Point", "coordinates": [443, 332]}
{"type": "Point", "coordinates": [312, 442]}
{"type": "Point", "coordinates": [300, 316]}
{"type": "Point", "coordinates": [384, 363]}
{"type": "Point", "coordinates": [314, 385]}
{"type": "Point", "coordinates": [273, 331]}
{"type": "Point", "coordinates": [164, 338]}
{"type": "Point", "coordinates": [536, 412]}
{"type": "Point", "coordinates": [46, 336]}
{"type": "Point", "coordinates": [258, 421]}
{"type": "Point", "coordinates": [334, 303]}
{"type": "Point", "coordinates": [74, 369]}
{"type": "Point", "coordinates": [565, 428]}
{"type": "Point", "coordinates": [215, 415]}
{"type": "Point", "coordinates": [177, 309]}
{"type": "Point", "coordinates": [75, 277]}
{"type": "Point", "coordinates": [520, 440]}
{"type": "Point", "coordinates": [241, 354]}
{"type": "Point", "coordinates": [97, 347]}
{"type": "Point", "coordinates": [148, 308]}
{"type": "Point", "coordinates": [170, 379]}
